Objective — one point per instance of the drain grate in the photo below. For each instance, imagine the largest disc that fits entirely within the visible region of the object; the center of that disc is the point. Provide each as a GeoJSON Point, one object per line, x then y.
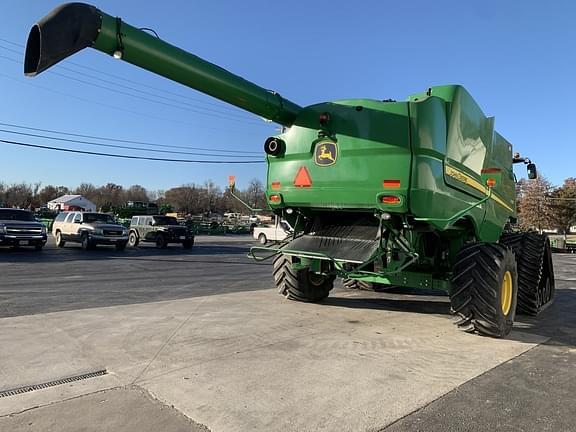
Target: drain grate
{"type": "Point", "coordinates": [26, 389]}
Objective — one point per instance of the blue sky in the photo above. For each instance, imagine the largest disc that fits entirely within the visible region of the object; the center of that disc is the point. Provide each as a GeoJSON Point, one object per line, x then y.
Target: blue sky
{"type": "Point", "coordinates": [516, 58]}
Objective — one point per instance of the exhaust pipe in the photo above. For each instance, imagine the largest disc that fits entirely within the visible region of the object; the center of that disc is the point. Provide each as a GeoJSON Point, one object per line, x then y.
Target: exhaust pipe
{"type": "Point", "coordinates": [64, 31]}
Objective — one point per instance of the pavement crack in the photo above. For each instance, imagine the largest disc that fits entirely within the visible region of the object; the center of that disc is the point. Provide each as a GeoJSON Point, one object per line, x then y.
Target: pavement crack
{"type": "Point", "coordinates": [58, 402]}
{"type": "Point", "coordinates": [172, 335]}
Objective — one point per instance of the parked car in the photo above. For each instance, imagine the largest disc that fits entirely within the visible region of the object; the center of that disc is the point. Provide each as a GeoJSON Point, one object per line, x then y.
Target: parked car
{"type": "Point", "coordinates": [159, 229]}
{"type": "Point", "coordinates": [89, 229]}
{"type": "Point", "coordinates": [277, 232]}
{"type": "Point", "coordinates": [20, 228]}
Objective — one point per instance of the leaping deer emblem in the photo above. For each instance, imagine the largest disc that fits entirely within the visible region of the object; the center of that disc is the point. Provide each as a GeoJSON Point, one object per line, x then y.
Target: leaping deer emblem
{"type": "Point", "coordinates": [326, 154]}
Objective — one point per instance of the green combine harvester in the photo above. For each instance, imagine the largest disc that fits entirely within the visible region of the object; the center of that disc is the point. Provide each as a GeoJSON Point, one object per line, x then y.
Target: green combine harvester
{"type": "Point", "coordinates": [380, 193]}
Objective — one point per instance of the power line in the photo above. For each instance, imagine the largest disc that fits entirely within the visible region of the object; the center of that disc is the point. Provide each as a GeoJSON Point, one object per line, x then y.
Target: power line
{"type": "Point", "coordinates": [20, 53]}
{"type": "Point", "coordinates": [220, 105]}
{"type": "Point", "coordinates": [11, 43]}
{"type": "Point", "coordinates": [17, 143]}
{"type": "Point", "coordinates": [117, 146]}
{"type": "Point", "coordinates": [125, 140]}
{"type": "Point", "coordinates": [137, 113]}
{"type": "Point", "coordinates": [241, 115]}
{"type": "Point", "coordinates": [211, 113]}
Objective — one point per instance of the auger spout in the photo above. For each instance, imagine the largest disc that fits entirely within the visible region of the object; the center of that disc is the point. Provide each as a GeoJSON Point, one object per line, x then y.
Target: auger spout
{"type": "Point", "coordinates": [74, 26]}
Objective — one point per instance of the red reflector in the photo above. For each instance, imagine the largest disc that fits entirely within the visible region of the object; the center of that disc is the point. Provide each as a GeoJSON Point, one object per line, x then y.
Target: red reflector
{"type": "Point", "coordinates": [491, 171]}
{"type": "Point", "coordinates": [390, 199]}
{"type": "Point", "coordinates": [275, 198]}
{"type": "Point", "coordinates": [275, 185]}
{"type": "Point", "coordinates": [302, 179]}
{"type": "Point", "coordinates": [491, 182]}
{"type": "Point", "coordinates": [391, 183]}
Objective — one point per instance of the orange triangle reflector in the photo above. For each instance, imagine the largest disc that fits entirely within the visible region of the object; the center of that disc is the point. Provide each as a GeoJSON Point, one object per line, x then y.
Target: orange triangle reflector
{"type": "Point", "coordinates": [302, 179]}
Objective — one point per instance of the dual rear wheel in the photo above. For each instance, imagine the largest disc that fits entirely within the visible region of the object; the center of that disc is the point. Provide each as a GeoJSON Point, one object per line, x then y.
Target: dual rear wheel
{"type": "Point", "coordinates": [535, 271]}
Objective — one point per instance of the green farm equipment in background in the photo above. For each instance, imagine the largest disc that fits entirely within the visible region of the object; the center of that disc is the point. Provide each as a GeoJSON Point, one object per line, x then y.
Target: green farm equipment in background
{"type": "Point", "coordinates": [380, 193]}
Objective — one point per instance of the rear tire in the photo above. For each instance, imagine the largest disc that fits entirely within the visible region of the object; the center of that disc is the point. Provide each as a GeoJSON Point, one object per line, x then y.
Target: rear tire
{"type": "Point", "coordinates": [133, 239]}
{"type": "Point", "coordinates": [535, 271]}
{"type": "Point", "coordinates": [59, 242]}
{"type": "Point", "coordinates": [262, 239]}
{"type": "Point", "coordinates": [484, 289]}
{"type": "Point", "coordinates": [300, 285]}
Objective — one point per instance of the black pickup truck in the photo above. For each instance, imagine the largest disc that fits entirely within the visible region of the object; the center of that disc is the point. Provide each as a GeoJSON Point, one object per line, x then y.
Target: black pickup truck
{"type": "Point", "coordinates": [19, 228]}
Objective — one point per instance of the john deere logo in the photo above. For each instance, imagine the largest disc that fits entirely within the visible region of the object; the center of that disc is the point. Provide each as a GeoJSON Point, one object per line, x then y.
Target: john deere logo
{"type": "Point", "coordinates": [326, 153]}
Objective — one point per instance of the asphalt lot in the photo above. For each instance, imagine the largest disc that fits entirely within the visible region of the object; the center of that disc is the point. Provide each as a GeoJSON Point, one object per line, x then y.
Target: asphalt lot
{"type": "Point", "coordinates": [193, 338]}
{"type": "Point", "coordinates": [69, 278]}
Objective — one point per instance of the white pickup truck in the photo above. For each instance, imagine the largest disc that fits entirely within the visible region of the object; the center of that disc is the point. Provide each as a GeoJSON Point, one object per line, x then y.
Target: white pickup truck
{"type": "Point", "coordinates": [277, 232]}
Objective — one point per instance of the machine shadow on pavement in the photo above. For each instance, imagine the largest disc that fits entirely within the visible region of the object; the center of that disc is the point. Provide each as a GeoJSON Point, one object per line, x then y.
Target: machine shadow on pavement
{"type": "Point", "coordinates": [558, 322]}
{"type": "Point", "coordinates": [397, 304]}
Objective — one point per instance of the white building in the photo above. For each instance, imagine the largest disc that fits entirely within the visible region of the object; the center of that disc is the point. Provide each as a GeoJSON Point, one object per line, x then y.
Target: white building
{"type": "Point", "coordinates": [73, 203]}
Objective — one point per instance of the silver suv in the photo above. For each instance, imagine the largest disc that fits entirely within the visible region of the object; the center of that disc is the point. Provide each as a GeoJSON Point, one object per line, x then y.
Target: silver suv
{"type": "Point", "coordinates": [89, 229]}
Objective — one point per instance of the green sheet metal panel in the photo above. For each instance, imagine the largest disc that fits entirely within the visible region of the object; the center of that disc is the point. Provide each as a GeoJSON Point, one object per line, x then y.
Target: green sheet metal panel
{"type": "Point", "coordinates": [373, 145]}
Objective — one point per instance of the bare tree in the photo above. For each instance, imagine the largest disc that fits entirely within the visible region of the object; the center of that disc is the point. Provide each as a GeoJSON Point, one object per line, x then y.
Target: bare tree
{"type": "Point", "coordinates": [89, 191]}
{"type": "Point", "coordinates": [136, 193]}
{"type": "Point", "coordinates": [563, 205]}
{"type": "Point", "coordinates": [210, 196]}
{"type": "Point", "coordinates": [112, 195]}
{"type": "Point", "coordinates": [50, 192]}
{"type": "Point", "coordinates": [185, 199]}
{"type": "Point", "coordinates": [255, 195]}
{"type": "Point", "coordinates": [534, 207]}
{"type": "Point", "coordinates": [19, 195]}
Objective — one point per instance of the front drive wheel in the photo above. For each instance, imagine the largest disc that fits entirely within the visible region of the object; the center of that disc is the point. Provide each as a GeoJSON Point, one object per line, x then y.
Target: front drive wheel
{"type": "Point", "coordinates": [87, 243]}
{"type": "Point", "coordinates": [161, 241]}
{"type": "Point", "coordinates": [300, 285]}
{"type": "Point", "coordinates": [38, 247]}
{"type": "Point", "coordinates": [120, 246]}
{"type": "Point", "coordinates": [59, 242]}
{"type": "Point", "coordinates": [187, 244]}
{"type": "Point", "coordinates": [133, 239]}
{"type": "Point", "coordinates": [484, 289]}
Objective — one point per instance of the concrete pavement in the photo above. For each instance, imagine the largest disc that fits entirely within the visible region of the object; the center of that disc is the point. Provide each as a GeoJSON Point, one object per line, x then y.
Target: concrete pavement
{"type": "Point", "coordinates": [250, 361]}
{"type": "Point", "coordinates": [119, 409]}
{"type": "Point", "coordinates": [245, 359]}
